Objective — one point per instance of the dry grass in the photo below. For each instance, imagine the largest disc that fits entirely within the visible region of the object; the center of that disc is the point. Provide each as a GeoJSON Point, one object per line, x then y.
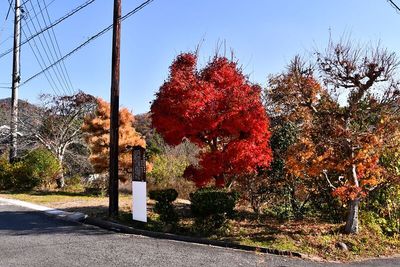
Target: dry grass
{"type": "Point", "coordinates": [312, 238]}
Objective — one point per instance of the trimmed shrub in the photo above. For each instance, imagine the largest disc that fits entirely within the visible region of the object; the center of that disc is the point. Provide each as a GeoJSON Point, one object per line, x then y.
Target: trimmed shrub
{"type": "Point", "coordinates": [164, 205]}
{"type": "Point", "coordinates": [211, 207]}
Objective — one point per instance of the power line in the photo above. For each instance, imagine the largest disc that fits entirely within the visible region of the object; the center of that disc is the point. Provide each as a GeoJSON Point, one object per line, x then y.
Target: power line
{"type": "Point", "coordinates": [10, 36]}
{"type": "Point", "coordinates": [9, 9]}
{"type": "Point", "coordinates": [59, 51]}
{"type": "Point", "coordinates": [45, 52]}
{"type": "Point", "coordinates": [5, 20]}
{"type": "Point", "coordinates": [37, 59]}
{"type": "Point", "coordinates": [59, 54]}
{"type": "Point", "coordinates": [394, 5]}
{"type": "Point", "coordinates": [50, 79]}
{"type": "Point", "coordinates": [48, 50]}
{"type": "Point", "coordinates": [97, 35]}
{"type": "Point", "coordinates": [40, 10]}
{"type": "Point", "coordinates": [51, 26]}
{"type": "Point", "coordinates": [59, 75]}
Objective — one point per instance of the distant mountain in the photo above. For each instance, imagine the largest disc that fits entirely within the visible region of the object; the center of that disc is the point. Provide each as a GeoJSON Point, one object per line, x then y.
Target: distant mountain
{"type": "Point", "coordinates": [25, 110]}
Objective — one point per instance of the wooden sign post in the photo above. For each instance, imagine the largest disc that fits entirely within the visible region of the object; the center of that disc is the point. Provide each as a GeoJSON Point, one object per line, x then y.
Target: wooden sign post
{"type": "Point", "coordinates": [139, 195]}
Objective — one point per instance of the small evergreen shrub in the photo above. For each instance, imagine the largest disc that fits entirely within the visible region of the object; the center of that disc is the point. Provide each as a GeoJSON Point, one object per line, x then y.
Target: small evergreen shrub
{"type": "Point", "coordinates": [382, 208]}
{"type": "Point", "coordinates": [372, 221]}
{"type": "Point", "coordinates": [41, 166]}
{"type": "Point", "coordinates": [7, 180]}
{"type": "Point", "coordinates": [38, 168]}
{"type": "Point", "coordinates": [212, 207]}
{"type": "Point", "coordinates": [164, 205]}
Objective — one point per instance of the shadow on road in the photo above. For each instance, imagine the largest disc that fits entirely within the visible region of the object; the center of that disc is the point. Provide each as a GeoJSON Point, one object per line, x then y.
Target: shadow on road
{"type": "Point", "coordinates": [36, 223]}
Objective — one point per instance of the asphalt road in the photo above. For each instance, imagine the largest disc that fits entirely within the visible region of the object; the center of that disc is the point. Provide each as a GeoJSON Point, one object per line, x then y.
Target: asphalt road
{"type": "Point", "coordinates": [30, 238]}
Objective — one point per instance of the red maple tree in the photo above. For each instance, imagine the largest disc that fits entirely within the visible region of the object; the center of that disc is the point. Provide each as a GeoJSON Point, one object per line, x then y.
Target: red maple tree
{"type": "Point", "coordinates": [218, 109]}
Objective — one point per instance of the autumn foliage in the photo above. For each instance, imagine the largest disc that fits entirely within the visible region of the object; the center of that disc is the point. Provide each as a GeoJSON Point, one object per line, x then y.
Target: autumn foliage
{"type": "Point", "coordinates": [97, 136]}
{"type": "Point", "coordinates": [341, 142]}
{"type": "Point", "coordinates": [219, 110]}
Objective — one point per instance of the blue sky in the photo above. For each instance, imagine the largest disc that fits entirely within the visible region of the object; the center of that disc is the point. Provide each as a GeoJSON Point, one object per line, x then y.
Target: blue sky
{"type": "Point", "coordinates": [263, 34]}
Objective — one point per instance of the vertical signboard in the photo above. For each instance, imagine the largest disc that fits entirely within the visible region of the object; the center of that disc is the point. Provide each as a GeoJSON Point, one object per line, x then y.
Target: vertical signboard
{"type": "Point", "coordinates": [139, 198]}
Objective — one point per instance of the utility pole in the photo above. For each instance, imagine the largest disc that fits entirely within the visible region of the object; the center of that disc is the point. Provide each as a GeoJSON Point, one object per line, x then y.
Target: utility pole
{"type": "Point", "coordinates": [114, 117]}
{"type": "Point", "coordinates": [15, 81]}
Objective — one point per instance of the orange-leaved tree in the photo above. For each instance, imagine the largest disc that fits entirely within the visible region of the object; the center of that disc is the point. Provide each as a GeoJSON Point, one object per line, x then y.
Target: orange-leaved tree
{"type": "Point", "coordinates": [288, 100]}
{"type": "Point", "coordinates": [345, 124]}
{"type": "Point", "coordinates": [97, 136]}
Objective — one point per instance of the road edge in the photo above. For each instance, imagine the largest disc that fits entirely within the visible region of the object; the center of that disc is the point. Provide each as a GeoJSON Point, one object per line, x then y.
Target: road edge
{"type": "Point", "coordinates": [117, 227]}
{"type": "Point", "coordinates": [79, 217]}
{"type": "Point", "coordinates": [60, 214]}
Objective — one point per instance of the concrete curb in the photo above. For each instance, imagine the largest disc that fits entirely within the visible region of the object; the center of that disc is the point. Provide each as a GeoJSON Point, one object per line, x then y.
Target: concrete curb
{"type": "Point", "coordinates": [64, 215]}
{"type": "Point", "coordinates": [130, 230]}
{"type": "Point", "coordinates": [85, 219]}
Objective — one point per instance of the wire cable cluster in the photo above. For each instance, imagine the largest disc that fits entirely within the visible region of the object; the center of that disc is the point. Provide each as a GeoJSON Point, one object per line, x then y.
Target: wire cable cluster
{"type": "Point", "coordinates": [44, 44]}
{"type": "Point", "coordinates": [97, 35]}
{"type": "Point", "coordinates": [58, 21]}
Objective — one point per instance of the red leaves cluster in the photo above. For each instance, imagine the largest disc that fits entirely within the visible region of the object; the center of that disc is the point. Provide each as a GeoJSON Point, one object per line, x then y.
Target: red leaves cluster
{"type": "Point", "coordinates": [218, 109]}
{"type": "Point", "coordinates": [349, 192]}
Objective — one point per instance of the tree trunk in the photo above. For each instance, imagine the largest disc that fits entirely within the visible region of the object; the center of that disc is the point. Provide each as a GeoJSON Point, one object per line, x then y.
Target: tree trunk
{"type": "Point", "coordinates": [60, 177]}
{"type": "Point", "coordinates": [352, 217]}
{"type": "Point", "coordinates": [60, 180]}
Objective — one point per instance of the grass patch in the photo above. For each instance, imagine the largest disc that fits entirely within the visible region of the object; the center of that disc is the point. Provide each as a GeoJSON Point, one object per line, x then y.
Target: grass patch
{"type": "Point", "coordinates": [69, 201]}
{"type": "Point", "coordinates": [48, 197]}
